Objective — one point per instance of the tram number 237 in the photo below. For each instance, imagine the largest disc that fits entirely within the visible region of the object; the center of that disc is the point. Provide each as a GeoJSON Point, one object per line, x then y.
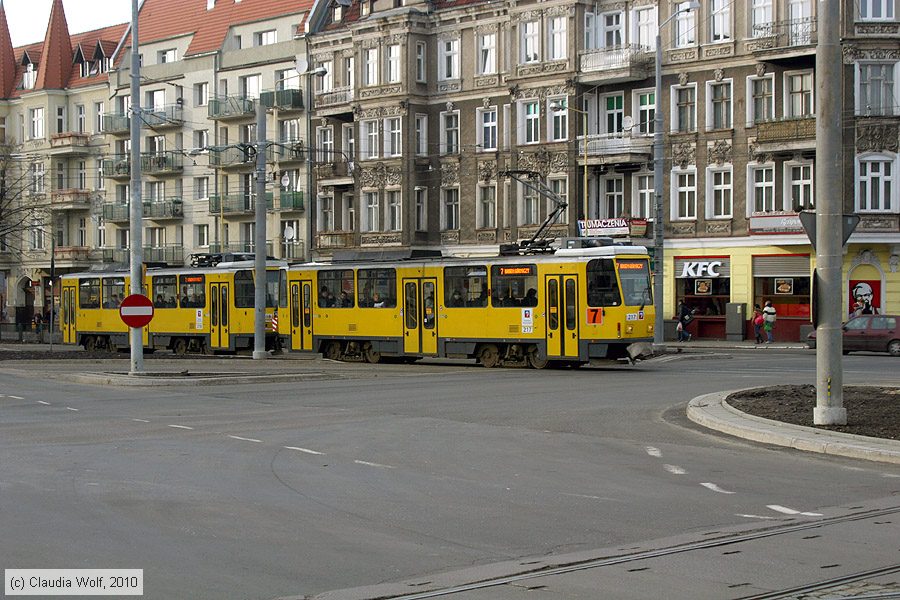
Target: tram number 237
{"type": "Point", "coordinates": [595, 316]}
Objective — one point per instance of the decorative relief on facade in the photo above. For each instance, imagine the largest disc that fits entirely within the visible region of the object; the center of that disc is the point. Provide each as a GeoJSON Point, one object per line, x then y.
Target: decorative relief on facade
{"type": "Point", "coordinates": [449, 237]}
{"type": "Point", "coordinates": [689, 228]}
{"type": "Point", "coordinates": [347, 53]}
{"type": "Point", "coordinates": [486, 236]}
{"type": "Point", "coordinates": [449, 86]}
{"type": "Point", "coordinates": [719, 152]}
{"type": "Point", "coordinates": [543, 161]}
{"type": "Point", "coordinates": [487, 171]}
{"type": "Point", "coordinates": [449, 174]}
{"type": "Point", "coordinates": [718, 227]}
{"type": "Point", "coordinates": [877, 29]}
{"type": "Point", "coordinates": [685, 55]}
{"type": "Point", "coordinates": [517, 93]}
{"type": "Point", "coordinates": [754, 154]}
{"type": "Point", "coordinates": [380, 176]}
{"type": "Point", "coordinates": [379, 111]}
{"type": "Point", "coordinates": [528, 15]}
{"type": "Point", "coordinates": [853, 53]}
{"type": "Point", "coordinates": [487, 81]}
{"type": "Point", "coordinates": [683, 78]}
{"type": "Point", "coordinates": [684, 154]}
{"type": "Point", "coordinates": [369, 43]}
{"type": "Point", "coordinates": [877, 223]}
{"type": "Point", "coordinates": [894, 262]}
{"type": "Point", "coordinates": [375, 92]}
{"type": "Point", "coordinates": [877, 136]}
{"type": "Point", "coordinates": [760, 69]}
{"type": "Point", "coordinates": [540, 68]}
{"type": "Point", "coordinates": [486, 28]}
{"type": "Point", "coordinates": [718, 50]}
{"type": "Point", "coordinates": [485, 103]}
{"type": "Point", "coordinates": [719, 74]}
{"type": "Point", "coordinates": [380, 239]}
{"type": "Point", "coordinates": [449, 106]}
{"type": "Point", "coordinates": [866, 257]}
{"type": "Point", "coordinates": [765, 43]}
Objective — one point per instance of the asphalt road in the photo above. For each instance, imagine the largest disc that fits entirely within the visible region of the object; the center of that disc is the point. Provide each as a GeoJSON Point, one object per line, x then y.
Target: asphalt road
{"type": "Point", "coordinates": [389, 472]}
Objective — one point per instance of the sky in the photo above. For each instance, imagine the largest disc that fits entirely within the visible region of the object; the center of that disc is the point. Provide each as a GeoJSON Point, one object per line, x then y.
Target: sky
{"type": "Point", "coordinates": [28, 18]}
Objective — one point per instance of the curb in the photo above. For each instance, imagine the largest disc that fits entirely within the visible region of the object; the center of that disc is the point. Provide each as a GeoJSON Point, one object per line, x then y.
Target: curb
{"type": "Point", "coordinates": [713, 412]}
{"type": "Point", "coordinates": [153, 379]}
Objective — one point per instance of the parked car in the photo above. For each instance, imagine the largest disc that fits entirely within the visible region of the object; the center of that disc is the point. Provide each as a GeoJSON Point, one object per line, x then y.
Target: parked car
{"type": "Point", "coordinates": [872, 333]}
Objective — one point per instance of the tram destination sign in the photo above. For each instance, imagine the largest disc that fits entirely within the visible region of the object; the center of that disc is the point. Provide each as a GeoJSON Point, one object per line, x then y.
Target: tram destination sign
{"type": "Point", "coordinates": [136, 310]}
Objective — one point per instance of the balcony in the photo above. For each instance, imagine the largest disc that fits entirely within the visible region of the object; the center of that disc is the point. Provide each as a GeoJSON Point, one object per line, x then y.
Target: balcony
{"type": "Point", "coordinates": [172, 254]}
{"type": "Point", "coordinates": [611, 148]}
{"type": "Point", "coordinates": [327, 240]}
{"type": "Point", "coordinates": [231, 107]}
{"type": "Point", "coordinates": [288, 151]}
{"type": "Point", "coordinates": [615, 65]}
{"type": "Point", "coordinates": [283, 100]}
{"type": "Point", "coordinates": [290, 201]}
{"type": "Point", "coordinates": [167, 117]}
{"type": "Point", "coordinates": [335, 101]}
{"type": "Point", "coordinates": [334, 173]}
{"type": "Point", "coordinates": [71, 254]}
{"type": "Point", "coordinates": [117, 123]}
{"type": "Point", "coordinates": [163, 210]}
{"type": "Point", "coordinates": [70, 144]}
{"type": "Point", "coordinates": [118, 166]}
{"type": "Point", "coordinates": [293, 250]}
{"type": "Point", "coordinates": [115, 212]}
{"type": "Point", "coordinates": [784, 39]}
{"type": "Point", "coordinates": [236, 204]}
{"type": "Point", "coordinates": [70, 199]}
{"type": "Point", "coordinates": [217, 248]}
{"type": "Point", "coordinates": [162, 163]}
{"type": "Point", "coordinates": [231, 156]}
{"type": "Point", "coordinates": [786, 134]}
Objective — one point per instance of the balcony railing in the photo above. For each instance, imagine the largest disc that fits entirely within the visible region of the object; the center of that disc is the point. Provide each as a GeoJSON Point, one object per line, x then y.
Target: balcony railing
{"type": "Point", "coordinates": [616, 57]}
{"type": "Point", "coordinates": [117, 166]}
{"type": "Point", "coordinates": [154, 163]}
{"type": "Point", "coordinates": [786, 130]}
{"type": "Point", "coordinates": [230, 107]}
{"type": "Point", "coordinates": [162, 118]}
{"type": "Point", "coordinates": [116, 123]}
{"type": "Point", "coordinates": [335, 239]}
{"type": "Point", "coordinates": [167, 208]}
{"type": "Point", "coordinates": [217, 248]}
{"type": "Point", "coordinates": [230, 156]}
{"type": "Point", "coordinates": [625, 142]}
{"type": "Point", "coordinates": [68, 199]}
{"type": "Point", "coordinates": [114, 212]}
{"type": "Point", "coordinates": [282, 99]}
{"type": "Point", "coordinates": [168, 253]}
{"type": "Point", "coordinates": [290, 201]}
{"type": "Point", "coordinates": [71, 253]}
{"type": "Point", "coordinates": [786, 34]}
{"type": "Point", "coordinates": [234, 204]}
{"type": "Point", "coordinates": [70, 143]}
{"type": "Point", "coordinates": [293, 250]}
{"type": "Point", "coordinates": [288, 151]}
{"type": "Point", "coordinates": [330, 170]}
{"type": "Point", "coordinates": [335, 97]}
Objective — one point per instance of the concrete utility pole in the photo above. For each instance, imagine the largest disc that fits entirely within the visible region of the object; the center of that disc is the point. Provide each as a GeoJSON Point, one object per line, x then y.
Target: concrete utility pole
{"type": "Point", "coordinates": [136, 211]}
{"type": "Point", "coordinates": [259, 237]}
{"type": "Point", "coordinates": [829, 210]}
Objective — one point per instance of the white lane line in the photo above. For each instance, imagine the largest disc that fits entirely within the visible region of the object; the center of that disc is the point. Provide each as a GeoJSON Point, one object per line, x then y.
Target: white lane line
{"type": "Point", "coordinates": [715, 488]}
{"type": "Point", "coordinates": [889, 475]}
{"type": "Point", "coordinates": [588, 496]}
{"type": "Point", "coordinates": [372, 464]}
{"type": "Point", "coordinates": [755, 517]}
{"type": "Point", "coordinates": [791, 511]}
{"type": "Point", "coordinates": [243, 439]}
{"type": "Point", "coordinates": [16, 397]}
{"type": "Point", "coordinates": [306, 450]}
{"type": "Point", "coordinates": [44, 403]}
{"type": "Point", "coordinates": [674, 469]}
{"type": "Point", "coordinates": [72, 409]}
{"type": "Point", "coordinates": [141, 420]}
{"type": "Point", "coordinates": [653, 451]}
{"type": "Point", "coordinates": [181, 427]}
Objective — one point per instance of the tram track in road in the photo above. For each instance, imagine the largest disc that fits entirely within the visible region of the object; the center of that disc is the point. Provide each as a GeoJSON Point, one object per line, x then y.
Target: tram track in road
{"type": "Point", "coordinates": [833, 584]}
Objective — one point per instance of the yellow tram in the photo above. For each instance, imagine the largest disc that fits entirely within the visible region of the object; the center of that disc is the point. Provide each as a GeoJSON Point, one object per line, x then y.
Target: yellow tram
{"type": "Point", "coordinates": [572, 306]}
{"type": "Point", "coordinates": [196, 309]}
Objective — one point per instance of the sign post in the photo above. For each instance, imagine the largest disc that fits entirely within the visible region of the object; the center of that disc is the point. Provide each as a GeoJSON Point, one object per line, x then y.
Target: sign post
{"type": "Point", "coordinates": [136, 311]}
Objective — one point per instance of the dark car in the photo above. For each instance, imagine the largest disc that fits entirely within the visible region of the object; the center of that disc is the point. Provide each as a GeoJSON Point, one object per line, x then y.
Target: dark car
{"type": "Point", "coordinates": [870, 333]}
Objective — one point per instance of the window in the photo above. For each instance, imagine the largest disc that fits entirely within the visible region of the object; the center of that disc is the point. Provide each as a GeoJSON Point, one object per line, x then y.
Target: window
{"type": "Point", "coordinates": [251, 86]}
{"type": "Point", "coordinates": [761, 100]}
{"type": "Point", "coordinates": [89, 293]}
{"type": "Point", "coordinates": [37, 234]}
{"type": "Point", "coordinates": [393, 140]}
{"type": "Point", "coordinates": [349, 140]}
{"type": "Point", "coordinates": [336, 289]}
{"type": "Point", "coordinates": [325, 144]}
{"type": "Point", "coordinates": [719, 109]}
{"type": "Point", "coordinates": [560, 187]}
{"type": "Point", "coordinates": [876, 10]}
{"type": "Point", "coordinates": [875, 184]}
{"type": "Point", "coordinates": [326, 213]}
{"type": "Point", "coordinates": [799, 89]}
{"type": "Point", "coordinates": [98, 117]}
{"type": "Point", "coordinates": [421, 135]}
{"type": "Point", "coordinates": [393, 63]}
{"type": "Point", "coordinates": [201, 236]}
{"type": "Point", "coordinates": [37, 123]}
{"type": "Point", "coordinates": [448, 64]}
{"type": "Point", "coordinates": [762, 188]}
{"type": "Point", "coordinates": [420, 62]}
{"type": "Point", "coordinates": [394, 211]}
{"type": "Point", "coordinates": [289, 130]}
{"type": "Point", "coordinates": [265, 38]}
{"type": "Point", "coordinates": [611, 30]}
{"type": "Point", "coordinates": [165, 290]}
{"type": "Point", "coordinates": [201, 187]}
{"type": "Point", "coordinates": [646, 112]}
{"type": "Point", "coordinates": [101, 178]}
{"type": "Point", "coordinates": [531, 125]}
{"type": "Point", "coordinates": [613, 197]}
{"type": "Point", "coordinates": [465, 286]}
{"type": "Point", "coordinates": [80, 118]}
{"type": "Point", "coordinates": [557, 38]}
{"type": "Point", "coordinates": [370, 66]}
{"type": "Point", "coordinates": [529, 41]}
{"type": "Point", "coordinates": [800, 181]}
{"type": "Point", "coordinates": [369, 141]}
{"type": "Point", "coordinates": [644, 195]}
{"type": "Point", "coordinates": [60, 119]}
{"type": "Point", "coordinates": [487, 128]}
{"type": "Point", "coordinates": [530, 207]}
{"type": "Point", "coordinates": [37, 178]}
{"type": "Point", "coordinates": [421, 195]}
{"type": "Point", "coordinates": [156, 100]}
{"type": "Point", "coordinates": [876, 95]}
{"type": "Point", "coordinates": [167, 56]}
{"type": "Point", "coordinates": [685, 31]}
{"type": "Point", "coordinates": [685, 101]}
{"type": "Point", "coordinates": [615, 113]}
{"type": "Point", "coordinates": [487, 54]}
{"type": "Point", "coordinates": [377, 288]}
{"type": "Point", "coordinates": [514, 285]}
{"type": "Point", "coordinates": [487, 207]}
{"type": "Point", "coordinates": [684, 189]}
{"type": "Point", "coordinates": [451, 209]}
{"type": "Point", "coordinates": [590, 31]}
{"type": "Point", "coordinates": [761, 18]}
{"type": "Point", "coordinates": [559, 119]}
{"type": "Point", "coordinates": [720, 20]}
{"type": "Point", "coordinates": [719, 193]}
{"type": "Point", "coordinates": [450, 132]}
{"type": "Point", "coordinates": [602, 285]}
{"type": "Point", "coordinates": [372, 206]}
{"type": "Point", "coordinates": [29, 77]}
{"type": "Point", "coordinates": [101, 233]}
{"type": "Point", "coordinates": [645, 25]}
{"type": "Point", "coordinates": [349, 72]}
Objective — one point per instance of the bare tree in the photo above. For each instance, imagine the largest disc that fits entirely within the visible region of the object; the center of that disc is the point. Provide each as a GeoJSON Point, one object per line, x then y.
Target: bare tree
{"type": "Point", "coordinates": [24, 205]}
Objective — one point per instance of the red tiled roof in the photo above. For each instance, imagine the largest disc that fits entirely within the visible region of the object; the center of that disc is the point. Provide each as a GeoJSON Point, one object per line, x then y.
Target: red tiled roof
{"type": "Point", "coordinates": [109, 38]}
{"type": "Point", "coordinates": [8, 65]}
{"type": "Point", "coordinates": [161, 19]}
{"type": "Point", "coordinates": [57, 56]}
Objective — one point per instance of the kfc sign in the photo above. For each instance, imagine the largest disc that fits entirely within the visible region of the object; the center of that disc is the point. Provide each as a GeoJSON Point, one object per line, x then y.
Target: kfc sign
{"type": "Point", "coordinates": [701, 268]}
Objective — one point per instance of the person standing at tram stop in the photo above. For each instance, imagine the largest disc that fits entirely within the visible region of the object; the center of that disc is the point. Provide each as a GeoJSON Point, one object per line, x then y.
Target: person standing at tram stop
{"type": "Point", "coordinates": [684, 315]}
{"type": "Point", "coordinates": [758, 321]}
{"type": "Point", "coordinates": [769, 316]}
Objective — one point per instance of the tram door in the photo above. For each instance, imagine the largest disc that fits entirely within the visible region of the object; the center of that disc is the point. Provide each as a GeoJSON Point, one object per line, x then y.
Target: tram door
{"type": "Point", "coordinates": [419, 316]}
{"type": "Point", "coordinates": [301, 315]}
{"type": "Point", "coordinates": [67, 314]}
{"type": "Point", "coordinates": [219, 324]}
{"type": "Point", "coordinates": [561, 294]}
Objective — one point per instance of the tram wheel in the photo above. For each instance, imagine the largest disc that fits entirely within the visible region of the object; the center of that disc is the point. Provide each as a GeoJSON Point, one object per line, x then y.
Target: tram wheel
{"type": "Point", "coordinates": [179, 347]}
{"type": "Point", "coordinates": [333, 351]}
{"type": "Point", "coordinates": [537, 358]}
{"type": "Point", "coordinates": [489, 356]}
{"type": "Point", "coordinates": [90, 343]}
{"type": "Point", "coordinates": [110, 347]}
{"type": "Point", "coordinates": [370, 354]}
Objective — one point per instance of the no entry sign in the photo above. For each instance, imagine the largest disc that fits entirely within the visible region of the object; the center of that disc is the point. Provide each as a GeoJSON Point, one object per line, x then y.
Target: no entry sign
{"type": "Point", "coordinates": [136, 310]}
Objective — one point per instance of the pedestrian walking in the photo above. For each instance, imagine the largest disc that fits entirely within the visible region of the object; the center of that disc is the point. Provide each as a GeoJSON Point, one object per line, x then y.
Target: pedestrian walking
{"type": "Point", "coordinates": [769, 316]}
{"type": "Point", "coordinates": [684, 314]}
{"type": "Point", "coordinates": [758, 323]}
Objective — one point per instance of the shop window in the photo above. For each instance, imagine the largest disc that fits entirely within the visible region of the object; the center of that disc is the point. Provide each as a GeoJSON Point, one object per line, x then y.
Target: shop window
{"type": "Point", "coordinates": [789, 295]}
{"type": "Point", "coordinates": [705, 296]}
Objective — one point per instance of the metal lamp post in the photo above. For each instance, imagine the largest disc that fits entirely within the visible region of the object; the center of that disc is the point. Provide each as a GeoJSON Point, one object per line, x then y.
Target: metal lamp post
{"type": "Point", "coordinates": [659, 322]}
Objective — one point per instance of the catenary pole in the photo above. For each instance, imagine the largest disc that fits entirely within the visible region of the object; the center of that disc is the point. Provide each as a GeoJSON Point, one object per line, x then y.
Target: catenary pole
{"type": "Point", "coordinates": [829, 210]}
{"type": "Point", "coordinates": [136, 210]}
{"type": "Point", "coordinates": [259, 237]}
{"type": "Point", "coordinates": [658, 222]}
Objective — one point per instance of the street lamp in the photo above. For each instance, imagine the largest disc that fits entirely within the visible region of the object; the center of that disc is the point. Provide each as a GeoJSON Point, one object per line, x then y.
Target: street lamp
{"type": "Point", "coordinates": [557, 105]}
{"type": "Point", "coordinates": [658, 323]}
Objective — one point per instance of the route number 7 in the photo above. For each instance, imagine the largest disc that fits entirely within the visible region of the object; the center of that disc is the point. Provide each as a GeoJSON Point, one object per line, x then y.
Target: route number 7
{"type": "Point", "coordinates": [595, 316]}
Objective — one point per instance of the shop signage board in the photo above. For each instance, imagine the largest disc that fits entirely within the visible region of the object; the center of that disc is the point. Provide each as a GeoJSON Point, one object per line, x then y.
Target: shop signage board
{"type": "Point", "coordinates": [612, 227]}
{"type": "Point", "coordinates": [769, 224]}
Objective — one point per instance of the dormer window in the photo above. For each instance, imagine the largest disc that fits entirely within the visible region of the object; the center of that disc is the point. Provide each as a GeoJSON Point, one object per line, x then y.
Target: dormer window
{"type": "Point", "coordinates": [337, 13]}
{"type": "Point", "coordinates": [365, 7]}
{"type": "Point", "coordinates": [168, 56]}
{"type": "Point", "coordinates": [85, 69]}
{"type": "Point", "coordinates": [30, 77]}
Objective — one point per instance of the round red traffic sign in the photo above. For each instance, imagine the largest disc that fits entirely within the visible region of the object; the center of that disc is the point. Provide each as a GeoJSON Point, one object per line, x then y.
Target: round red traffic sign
{"type": "Point", "coordinates": [136, 310]}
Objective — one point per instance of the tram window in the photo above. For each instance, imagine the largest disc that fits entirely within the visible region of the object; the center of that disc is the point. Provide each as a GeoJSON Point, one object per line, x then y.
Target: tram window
{"type": "Point", "coordinates": [89, 293]}
{"type": "Point", "coordinates": [214, 309]}
{"type": "Point", "coordinates": [165, 289]}
{"type": "Point", "coordinates": [377, 288]}
{"type": "Point", "coordinates": [224, 306]}
{"type": "Point", "coordinates": [635, 278]}
{"type": "Point", "coordinates": [282, 289]}
{"type": "Point", "coordinates": [553, 303]}
{"type": "Point", "coordinates": [244, 291]}
{"type": "Point", "coordinates": [72, 306]}
{"type": "Point", "coordinates": [514, 285]}
{"type": "Point", "coordinates": [295, 307]}
{"type": "Point", "coordinates": [602, 287]}
{"type": "Point", "coordinates": [428, 294]}
{"type": "Point", "coordinates": [571, 299]}
{"type": "Point", "coordinates": [307, 304]}
{"type": "Point", "coordinates": [193, 291]}
{"type": "Point", "coordinates": [465, 286]}
{"type": "Point", "coordinates": [272, 289]}
{"type": "Point", "coordinates": [412, 301]}
{"type": "Point", "coordinates": [113, 291]}
{"type": "Point", "coordinates": [336, 289]}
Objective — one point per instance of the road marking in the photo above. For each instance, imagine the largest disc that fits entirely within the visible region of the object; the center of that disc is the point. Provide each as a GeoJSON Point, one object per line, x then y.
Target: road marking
{"type": "Point", "coordinates": [44, 403]}
{"type": "Point", "coordinates": [653, 451]}
{"type": "Point", "coordinates": [306, 450]}
{"type": "Point", "coordinates": [141, 420]}
{"type": "Point", "coordinates": [889, 475]}
{"type": "Point", "coordinates": [674, 469]}
{"type": "Point", "coordinates": [72, 409]}
{"type": "Point", "coordinates": [791, 511]}
{"type": "Point", "coordinates": [372, 464]}
{"type": "Point", "coordinates": [715, 488]}
{"type": "Point", "coordinates": [588, 496]}
{"type": "Point", "coordinates": [755, 517]}
{"type": "Point", "coordinates": [243, 439]}
{"type": "Point", "coordinates": [181, 427]}
{"type": "Point", "coordinates": [16, 397]}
